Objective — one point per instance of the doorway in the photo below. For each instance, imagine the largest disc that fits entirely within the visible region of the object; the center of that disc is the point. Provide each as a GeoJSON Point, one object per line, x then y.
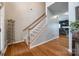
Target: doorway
{"type": "Point", "coordinates": [59, 20]}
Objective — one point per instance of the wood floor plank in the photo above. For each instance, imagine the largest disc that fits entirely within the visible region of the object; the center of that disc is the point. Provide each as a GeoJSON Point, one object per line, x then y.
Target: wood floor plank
{"type": "Point", "coordinates": [37, 52]}
{"type": "Point", "coordinates": [57, 47]}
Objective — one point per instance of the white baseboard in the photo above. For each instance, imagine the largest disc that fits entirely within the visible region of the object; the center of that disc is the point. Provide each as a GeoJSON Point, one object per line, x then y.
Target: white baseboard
{"type": "Point", "coordinates": [43, 42]}
{"type": "Point", "coordinates": [70, 50]}
{"type": "Point", "coordinates": [3, 52]}
{"type": "Point", "coordinates": [16, 42]}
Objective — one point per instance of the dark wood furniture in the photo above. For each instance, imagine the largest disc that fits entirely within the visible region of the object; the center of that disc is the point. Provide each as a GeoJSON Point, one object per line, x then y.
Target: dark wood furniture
{"type": "Point", "coordinates": [75, 44]}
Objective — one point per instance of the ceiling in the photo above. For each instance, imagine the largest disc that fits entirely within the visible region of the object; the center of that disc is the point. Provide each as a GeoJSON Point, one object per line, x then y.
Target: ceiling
{"type": "Point", "coordinates": [49, 3]}
{"type": "Point", "coordinates": [58, 7]}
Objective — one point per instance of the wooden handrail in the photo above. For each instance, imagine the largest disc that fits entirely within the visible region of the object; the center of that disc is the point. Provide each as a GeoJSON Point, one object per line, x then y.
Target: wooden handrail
{"type": "Point", "coordinates": [35, 22]}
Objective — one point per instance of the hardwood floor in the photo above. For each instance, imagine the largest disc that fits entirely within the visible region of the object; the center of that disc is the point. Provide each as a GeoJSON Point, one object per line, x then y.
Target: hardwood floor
{"type": "Point", "coordinates": [57, 47]}
{"type": "Point", "coordinates": [64, 41]}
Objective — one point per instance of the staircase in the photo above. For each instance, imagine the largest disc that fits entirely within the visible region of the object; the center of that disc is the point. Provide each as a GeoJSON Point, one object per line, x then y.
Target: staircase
{"type": "Point", "coordinates": [33, 31]}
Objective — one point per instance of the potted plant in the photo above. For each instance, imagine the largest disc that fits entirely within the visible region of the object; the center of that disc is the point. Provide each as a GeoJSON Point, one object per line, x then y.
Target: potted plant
{"type": "Point", "coordinates": [74, 26]}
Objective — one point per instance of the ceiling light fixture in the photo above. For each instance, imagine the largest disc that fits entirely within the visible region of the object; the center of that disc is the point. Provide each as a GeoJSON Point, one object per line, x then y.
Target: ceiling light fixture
{"type": "Point", "coordinates": [66, 13]}
{"type": "Point", "coordinates": [54, 17]}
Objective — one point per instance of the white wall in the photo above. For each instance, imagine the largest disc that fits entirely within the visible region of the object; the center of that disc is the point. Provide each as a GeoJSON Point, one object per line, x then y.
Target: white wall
{"type": "Point", "coordinates": [48, 4]}
{"type": "Point", "coordinates": [2, 28]}
{"type": "Point", "coordinates": [72, 17]}
{"type": "Point", "coordinates": [53, 24]}
{"type": "Point", "coordinates": [23, 15]}
{"type": "Point", "coordinates": [63, 17]}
